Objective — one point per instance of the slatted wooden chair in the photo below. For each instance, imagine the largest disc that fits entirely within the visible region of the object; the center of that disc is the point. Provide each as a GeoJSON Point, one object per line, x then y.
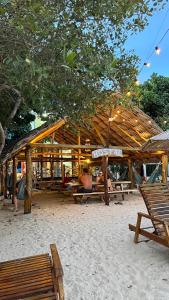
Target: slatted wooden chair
{"type": "Point", "coordinates": [156, 198]}
{"type": "Point", "coordinates": [37, 277]}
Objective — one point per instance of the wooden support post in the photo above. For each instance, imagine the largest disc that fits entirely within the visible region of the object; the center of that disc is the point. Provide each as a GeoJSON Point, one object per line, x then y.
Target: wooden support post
{"type": "Point", "coordinates": [79, 152]}
{"type": "Point", "coordinates": [164, 160]}
{"type": "Point", "coordinates": [51, 159]}
{"type": "Point", "coordinates": [130, 173]}
{"type": "Point", "coordinates": [14, 179]}
{"type": "Point", "coordinates": [105, 166]}
{"type": "Point", "coordinates": [5, 179]}
{"type": "Point", "coordinates": [41, 165]}
{"type": "Point", "coordinates": [28, 190]}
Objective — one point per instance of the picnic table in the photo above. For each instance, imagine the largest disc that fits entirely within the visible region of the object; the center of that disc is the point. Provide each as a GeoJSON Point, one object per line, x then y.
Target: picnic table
{"type": "Point", "coordinates": [76, 184]}
{"type": "Point", "coordinates": [121, 184]}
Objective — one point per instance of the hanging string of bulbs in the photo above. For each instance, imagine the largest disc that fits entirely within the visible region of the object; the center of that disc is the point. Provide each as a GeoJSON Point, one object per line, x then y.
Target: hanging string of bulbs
{"type": "Point", "coordinates": [156, 50]}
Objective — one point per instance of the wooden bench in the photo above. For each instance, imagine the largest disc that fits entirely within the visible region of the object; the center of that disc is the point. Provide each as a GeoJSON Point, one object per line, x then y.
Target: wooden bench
{"type": "Point", "coordinates": [83, 197]}
{"type": "Point", "coordinates": [32, 278]}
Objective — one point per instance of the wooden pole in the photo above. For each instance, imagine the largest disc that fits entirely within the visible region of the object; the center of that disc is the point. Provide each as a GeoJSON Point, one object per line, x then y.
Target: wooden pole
{"type": "Point", "coordinates": [41, 166]}
{"type": "Point", "coordinates": [14, 179]}
{"type": "Point", "coordinates": [5, 179]}
{"type": "Point", "coordinates": [28, 190]}
{"type": "Point", "coordinates": [104, 169]}
{"type": "Point", "coordinates": [164, 160]}
{"type": "Point", "coordinates": [130, 172]}
{"type": "Point", "coordinates": [79, 152]}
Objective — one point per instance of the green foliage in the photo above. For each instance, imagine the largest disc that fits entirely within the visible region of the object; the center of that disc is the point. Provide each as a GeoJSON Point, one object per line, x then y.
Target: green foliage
{"type": "Point", "coordinates": [154, 99]}
{"type": "Point", "coordinates": [62, 55]}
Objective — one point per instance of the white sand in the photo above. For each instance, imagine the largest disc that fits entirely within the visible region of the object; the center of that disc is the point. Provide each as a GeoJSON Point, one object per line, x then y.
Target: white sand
{"type": "Point", "coordinates": [99, 258]}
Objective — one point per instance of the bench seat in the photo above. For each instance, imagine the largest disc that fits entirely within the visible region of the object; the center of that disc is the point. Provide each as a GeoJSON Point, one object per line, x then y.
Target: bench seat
{"type": "Point", "coordinates": [83, 197]}
{"type": "Point", "coordinates": [32, 278]}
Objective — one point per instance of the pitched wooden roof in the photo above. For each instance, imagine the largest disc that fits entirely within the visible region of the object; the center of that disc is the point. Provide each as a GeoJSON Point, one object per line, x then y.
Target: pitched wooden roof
{"type": "Point", "coordinates": [129, 127]}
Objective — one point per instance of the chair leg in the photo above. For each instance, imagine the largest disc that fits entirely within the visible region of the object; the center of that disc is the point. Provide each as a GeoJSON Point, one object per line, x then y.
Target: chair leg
{"type": "Point", "coordinates": [136, 237]}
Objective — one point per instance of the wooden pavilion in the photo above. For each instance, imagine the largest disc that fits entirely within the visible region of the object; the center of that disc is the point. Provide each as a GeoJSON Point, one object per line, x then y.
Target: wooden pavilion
{"type": "Point", "coordinates": [126, 128]}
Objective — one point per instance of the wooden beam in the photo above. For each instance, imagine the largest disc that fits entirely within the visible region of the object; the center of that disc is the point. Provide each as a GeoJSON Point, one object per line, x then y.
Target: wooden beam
{"type": "Point", "coordinates": [70, 146]}
{"type": "Point", "coordinates": [114, 132]}
{"type": "Point", "coordinates": [48, 132]}
{"type": "Point", "coordinates": [58, 154]}
{"type": "Point", "coordinates": [164, 160]}
{"type": "Point", "coordinates": [102, 140]}
{"type": "Point", "coordinates": [28, 189]}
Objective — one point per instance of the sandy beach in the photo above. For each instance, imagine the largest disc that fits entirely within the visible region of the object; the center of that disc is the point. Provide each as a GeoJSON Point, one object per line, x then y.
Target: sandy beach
{"type": "Point", "coordinates": [96, 248]}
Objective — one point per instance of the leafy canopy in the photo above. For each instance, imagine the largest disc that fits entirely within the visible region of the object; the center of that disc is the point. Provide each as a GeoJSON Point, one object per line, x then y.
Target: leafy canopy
{"type": "Point", "coordinates": [59, 56]}
{"type": "Point", "coordinates": [154, 99]}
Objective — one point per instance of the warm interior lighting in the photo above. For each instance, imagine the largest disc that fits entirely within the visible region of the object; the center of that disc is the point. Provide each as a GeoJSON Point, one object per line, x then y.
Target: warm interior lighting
{"type": "Point", "coordinates": [147, 64]}
{"type": "Point", "coordinates": [111, 119]}
{"type": "Point", "coordinates": [149, 122]}
{"type": "Point", "coordinates": [157, 50]}
{"type": "Point", "coordinates": [123, 120]}
{"type": "Point", "coordinates": [118, 111]}
{"type": "Point", "coordinates": [88, 161]}
{"type": "Point", "coordinates": [136, 120]}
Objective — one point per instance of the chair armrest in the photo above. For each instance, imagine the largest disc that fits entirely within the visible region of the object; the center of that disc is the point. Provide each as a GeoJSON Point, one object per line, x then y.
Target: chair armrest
{"type": "Point", "coordinates": [152, 218]}
{"type": "Point", "coordinates": [56, 261]}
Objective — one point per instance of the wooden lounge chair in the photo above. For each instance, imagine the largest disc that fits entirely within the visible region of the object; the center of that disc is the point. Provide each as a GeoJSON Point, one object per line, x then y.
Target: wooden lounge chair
{"type": "Point", "coordinates": [156, 198]}
{"type": "Point", "coordinates": [32, 278]}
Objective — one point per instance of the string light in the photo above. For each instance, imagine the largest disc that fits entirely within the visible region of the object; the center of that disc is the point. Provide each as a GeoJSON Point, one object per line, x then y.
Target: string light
{"type": "Point", "coordinates": [165, 122]}
{"type": "Point", "coordinates": [147, 64]}
{"type": "Point", "coordinates": [118, 111]}
{"type": "Point", "coordinates": [149, 122]}
{"type": "Point", "coordinates": [111, 119]}
{"type": "Point", "coordinates": [157, 50]}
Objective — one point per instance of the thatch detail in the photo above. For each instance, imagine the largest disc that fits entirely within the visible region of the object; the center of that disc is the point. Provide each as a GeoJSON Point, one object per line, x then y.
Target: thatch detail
{"type": "Point", "coordinates": [159, 142]}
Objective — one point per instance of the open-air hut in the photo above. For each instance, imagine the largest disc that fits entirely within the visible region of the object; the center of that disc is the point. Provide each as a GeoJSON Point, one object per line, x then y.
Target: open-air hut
{"type": "Point", "coordinates": [126, 128]}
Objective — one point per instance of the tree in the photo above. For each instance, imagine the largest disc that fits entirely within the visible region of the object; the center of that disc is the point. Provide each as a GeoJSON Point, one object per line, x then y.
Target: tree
{"type": "Point", "coordinates": [154, 99]}
{"type": "Point", "coordinates": [59, 56]}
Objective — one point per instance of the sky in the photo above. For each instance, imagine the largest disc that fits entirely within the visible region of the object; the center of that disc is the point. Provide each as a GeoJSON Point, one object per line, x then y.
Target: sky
{"type": "Point", "coordinates": [143, 44]}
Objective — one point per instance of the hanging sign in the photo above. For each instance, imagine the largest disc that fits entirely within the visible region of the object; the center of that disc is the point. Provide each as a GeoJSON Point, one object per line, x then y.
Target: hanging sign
{"type": "Point", "coordinates": [106, 152]}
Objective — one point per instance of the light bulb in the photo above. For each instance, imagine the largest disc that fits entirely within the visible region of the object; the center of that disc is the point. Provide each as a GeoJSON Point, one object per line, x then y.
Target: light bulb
{"type": "Point", "coordinates": [157, 50]}
{"type": "Point", "coordinates": [147, 64]}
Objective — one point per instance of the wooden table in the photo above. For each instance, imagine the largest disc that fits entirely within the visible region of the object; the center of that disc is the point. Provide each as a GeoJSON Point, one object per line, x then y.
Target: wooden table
{"type": "Point", "coordinates": [75, 185]}
{"type": "Point", "coordinates": [121, 184]}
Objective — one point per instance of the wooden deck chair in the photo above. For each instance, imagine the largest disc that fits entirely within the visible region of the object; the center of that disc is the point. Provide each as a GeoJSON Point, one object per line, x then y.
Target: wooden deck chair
{"type": "Point", "coordinates": [156, 198]}
{"type": "Point", "coordinates": [38, 277]}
